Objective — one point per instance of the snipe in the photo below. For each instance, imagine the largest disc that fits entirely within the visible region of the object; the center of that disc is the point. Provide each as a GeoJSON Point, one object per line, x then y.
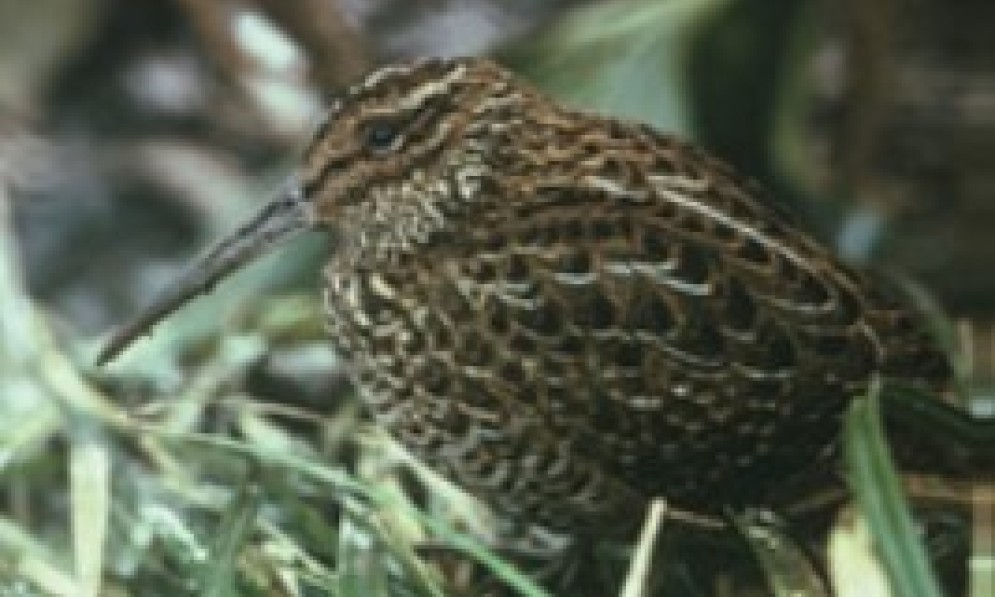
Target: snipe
{"type": "Point", "coordinates": [568, 314]}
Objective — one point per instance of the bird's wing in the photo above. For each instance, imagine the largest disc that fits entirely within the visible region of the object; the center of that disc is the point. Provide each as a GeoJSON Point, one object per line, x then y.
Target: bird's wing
{"type": "Point", "coordinates": [668, 327]}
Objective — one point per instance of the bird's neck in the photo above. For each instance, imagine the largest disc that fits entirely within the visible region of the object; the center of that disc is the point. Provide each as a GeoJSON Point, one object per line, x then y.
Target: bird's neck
{"type": "Point", "coordinates": [401, 219]}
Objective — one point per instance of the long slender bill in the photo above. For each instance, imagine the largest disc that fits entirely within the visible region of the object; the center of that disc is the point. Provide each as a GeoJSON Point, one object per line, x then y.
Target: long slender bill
{"type": "Point", "coordinates": [277, 221]}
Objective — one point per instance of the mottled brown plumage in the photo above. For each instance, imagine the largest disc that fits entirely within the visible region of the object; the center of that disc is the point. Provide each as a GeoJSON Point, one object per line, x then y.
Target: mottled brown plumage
{"type": "Point", "coordinates": [568, 314]}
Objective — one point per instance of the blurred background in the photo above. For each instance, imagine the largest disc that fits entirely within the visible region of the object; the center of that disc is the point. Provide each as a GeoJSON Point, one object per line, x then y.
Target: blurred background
{"type": "Point", "coordinates": [134, 131]}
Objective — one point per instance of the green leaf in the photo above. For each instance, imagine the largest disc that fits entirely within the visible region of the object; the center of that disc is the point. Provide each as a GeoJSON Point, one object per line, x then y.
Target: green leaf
{"type": "Point", "coordinates": [878, 493]}
{"type": "Point", "coordinates": [219, 572]}
{"type": "Point", "coordinates": [628, 59]}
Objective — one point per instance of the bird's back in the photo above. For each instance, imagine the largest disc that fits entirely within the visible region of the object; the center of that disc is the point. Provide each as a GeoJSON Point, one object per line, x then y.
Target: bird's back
{"type": "Point", "coordinates": [625, 318]}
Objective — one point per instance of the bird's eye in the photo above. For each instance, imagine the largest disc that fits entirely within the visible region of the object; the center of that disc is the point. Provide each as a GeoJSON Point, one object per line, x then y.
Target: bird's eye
{"type": "Point", "coordinates": [380, 136]}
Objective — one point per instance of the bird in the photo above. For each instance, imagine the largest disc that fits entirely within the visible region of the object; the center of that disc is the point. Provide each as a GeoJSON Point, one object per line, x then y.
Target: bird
{"type": "Point", "coordinates": [568, 314]}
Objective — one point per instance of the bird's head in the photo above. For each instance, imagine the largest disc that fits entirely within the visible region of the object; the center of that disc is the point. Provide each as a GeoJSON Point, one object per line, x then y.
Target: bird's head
{"type": "Point", "coordinates": [398, 158]}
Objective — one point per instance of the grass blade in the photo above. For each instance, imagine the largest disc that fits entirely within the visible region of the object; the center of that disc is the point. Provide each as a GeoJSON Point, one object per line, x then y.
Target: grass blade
{"type": "Point", "coordinates": [878, 494]}
{"type": "Point", "coordinates": [238, 523]}
{"type": "Point", "coordinates": [789, 572]}
{"type": "Point", "coordinates": [982, 564]}
{"type": "Point", "coordinates": [89, 470]}
{"type": "Point", "coordinates": [637, 580]}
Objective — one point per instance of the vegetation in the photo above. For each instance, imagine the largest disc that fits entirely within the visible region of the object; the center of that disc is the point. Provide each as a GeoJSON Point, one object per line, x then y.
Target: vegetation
{"type": "Point", "coordinates": [226, 456]}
